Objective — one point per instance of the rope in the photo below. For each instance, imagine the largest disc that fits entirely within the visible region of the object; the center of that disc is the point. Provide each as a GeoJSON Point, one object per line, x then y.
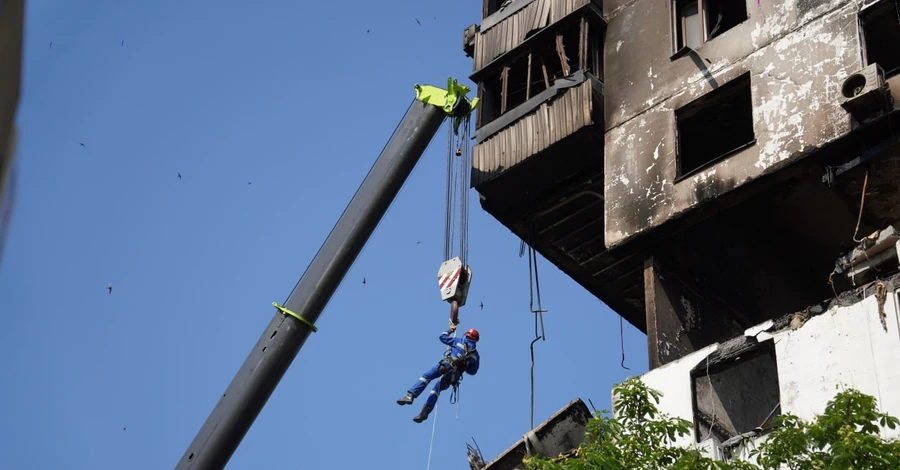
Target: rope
{"type": "Point", "coordinates": [534, 286]}
{"type": "Point", "coordinates": [862, 203]}
{"type": "Point", "coordinates": [433, 428]}
{"type": "Point", "coordinates": [458, 180]}
{"type": "Point", "coordinates": [465, 169]}
{"type": "Point", "coordinates": [448, 196]}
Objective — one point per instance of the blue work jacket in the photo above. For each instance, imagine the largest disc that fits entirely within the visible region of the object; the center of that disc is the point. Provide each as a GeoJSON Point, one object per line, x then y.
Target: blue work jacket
{"type": "Point", "coordinates": [458, 349]}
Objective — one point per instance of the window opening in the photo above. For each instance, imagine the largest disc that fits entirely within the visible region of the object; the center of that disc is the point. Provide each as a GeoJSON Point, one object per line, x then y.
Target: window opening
{"type": "Point", "coordinates": [491, 6]}
{"type": "Point", "coordinates": [881, 34]}
{"type": "Point", "coordinates": [698, 21]}
{"type": "Point", "coordinates": [714, 126]}
{"type": "Point", "coordinates": [735, 390]}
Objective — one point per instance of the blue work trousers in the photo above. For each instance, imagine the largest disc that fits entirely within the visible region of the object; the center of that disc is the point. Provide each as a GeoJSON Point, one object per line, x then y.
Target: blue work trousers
{"type": "Point", "coordinates": [446, 380]}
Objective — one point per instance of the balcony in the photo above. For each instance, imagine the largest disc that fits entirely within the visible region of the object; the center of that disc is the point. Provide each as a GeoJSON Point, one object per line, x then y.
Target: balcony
{"type": "Point", "coordinates": [508, 27]}
{"type": "Point", "coordinates": [538, 161]}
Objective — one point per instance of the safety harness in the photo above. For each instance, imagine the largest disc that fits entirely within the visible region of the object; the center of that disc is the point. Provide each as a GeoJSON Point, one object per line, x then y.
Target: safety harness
{"type": "Point", "coordinates": [457, 366]}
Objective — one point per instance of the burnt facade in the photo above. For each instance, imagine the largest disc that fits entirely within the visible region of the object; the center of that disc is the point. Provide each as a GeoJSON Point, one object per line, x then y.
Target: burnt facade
{"type": "Point", "coordinates": [698, 165]}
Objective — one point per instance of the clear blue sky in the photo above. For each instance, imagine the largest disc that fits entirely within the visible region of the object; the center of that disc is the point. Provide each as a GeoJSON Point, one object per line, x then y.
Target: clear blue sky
{"type": "Point", "coordinates": [298, 99]}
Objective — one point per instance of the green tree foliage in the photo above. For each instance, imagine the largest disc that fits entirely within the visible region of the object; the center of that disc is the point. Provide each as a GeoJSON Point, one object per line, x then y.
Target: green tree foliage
{"type": "Point", "coordinates": [847, 436]}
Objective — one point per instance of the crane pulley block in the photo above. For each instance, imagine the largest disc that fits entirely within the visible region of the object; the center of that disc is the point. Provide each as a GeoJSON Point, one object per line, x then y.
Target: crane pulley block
{"type": "Point", "coordinates": [453, 280]}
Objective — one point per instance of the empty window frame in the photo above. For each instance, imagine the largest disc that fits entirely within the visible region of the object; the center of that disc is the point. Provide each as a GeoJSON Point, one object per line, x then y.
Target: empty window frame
{"type": "Point", "coordinates": [535, 69]}
{"type": "Point", "coordinates": [714, 126]}
{"type": "Point", "coordinates": [697, 21]}
{"type": "Point", "coordinates": [880, 25]}
{"type": "Point", "coordinates": [490, 7]}
{"type": "Point", "coordinates": [736, 392]}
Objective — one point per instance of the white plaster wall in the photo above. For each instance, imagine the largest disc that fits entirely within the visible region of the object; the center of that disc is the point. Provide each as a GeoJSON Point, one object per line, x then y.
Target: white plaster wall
{"type": "Point", "coordinates": [845, 347]}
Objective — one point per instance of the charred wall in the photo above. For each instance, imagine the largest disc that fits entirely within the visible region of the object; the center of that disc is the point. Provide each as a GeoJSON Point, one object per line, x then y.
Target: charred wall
{"type": "Point", "coordinates": [795, 54]}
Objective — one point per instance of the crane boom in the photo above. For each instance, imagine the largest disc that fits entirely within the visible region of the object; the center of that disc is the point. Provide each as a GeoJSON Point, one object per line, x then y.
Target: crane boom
{"type": "Point", "coordinates": [282, 339]}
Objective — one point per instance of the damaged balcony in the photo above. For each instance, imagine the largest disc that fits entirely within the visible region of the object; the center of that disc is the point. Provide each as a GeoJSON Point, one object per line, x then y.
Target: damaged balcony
{"type": "Point", "coordinates": [562, 433]}
{"type": "Point", "coordinates": [509, 23]}
{"type": "Point", "coordinates": [538, 161]}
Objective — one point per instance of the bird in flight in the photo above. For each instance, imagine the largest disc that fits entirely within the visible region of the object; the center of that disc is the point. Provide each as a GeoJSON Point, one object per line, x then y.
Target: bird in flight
{"type": "Point", "coordinates": [481, 305]}
{"type": "Point", "coordinates": [250, 182]}
{"type": "Point", "coordinates": [51, 45]}
{"type": "Point", "coordinates": [364, 281]}
{"type": "Point", "coordinates": [179, 176]}
{"type": "Point", "coordinates": [122, 44]}
{"type": "Point", "coordinates": [367, 31]}
{"type": "Point", "coordinates": [417, 21]}
{"type": "Point", "coordinates": [418, 243]}
{"type": "Point", "coordinates": [109, 288]}
{"type": "Point", "coordinates": [82, 144]}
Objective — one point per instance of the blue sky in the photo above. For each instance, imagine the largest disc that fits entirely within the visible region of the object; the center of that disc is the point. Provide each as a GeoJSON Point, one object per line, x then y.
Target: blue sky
{"type": "Point", "coordinates": [297, 98]}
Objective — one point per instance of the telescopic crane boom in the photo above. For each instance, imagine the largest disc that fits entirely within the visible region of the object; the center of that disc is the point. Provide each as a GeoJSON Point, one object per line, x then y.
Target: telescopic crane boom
{"type": "Point", "coordinates": [279, 344]}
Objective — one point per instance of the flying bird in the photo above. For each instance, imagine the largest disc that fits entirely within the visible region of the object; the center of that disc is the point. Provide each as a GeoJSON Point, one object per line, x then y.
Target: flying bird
{"type": "Point", "coordinates": [481, 305]}
{"type": "Point", "coordinates": [417, 21]}
{"type": "Point", "coordinates": [250, 182]}
{"type": "Point", "coordinates": [179, 176]}
{"type": "Point", "coordinates": [122, 44]}
{"type": "Point", "coordinates": [82, 144]}
{"type": "Point", "coordinates": [364, 281]}
{"type": "Point", "coordinates": [51, 45]}
{"type": "Point", "coordinates": [109, 288]}
{"type": "Point", "coordinates": [418, 243]}
{"type": "Point", "coordinates": [367, 31]}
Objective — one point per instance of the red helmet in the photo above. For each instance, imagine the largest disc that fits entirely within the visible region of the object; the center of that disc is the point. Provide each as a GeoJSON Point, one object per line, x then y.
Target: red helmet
{"type": "Point", "coordinates": [472, 334]}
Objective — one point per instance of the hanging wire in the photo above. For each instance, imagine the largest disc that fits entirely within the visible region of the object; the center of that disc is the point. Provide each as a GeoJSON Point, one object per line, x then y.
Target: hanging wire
{"type": "Point", "coordinates": [862, 203]}
{"type": "Point", "coordinates": [534, 287]}
{"type": "Point", "coordinates": [622, 340]}
{"type": "Point", "coordinates": [433, 427]}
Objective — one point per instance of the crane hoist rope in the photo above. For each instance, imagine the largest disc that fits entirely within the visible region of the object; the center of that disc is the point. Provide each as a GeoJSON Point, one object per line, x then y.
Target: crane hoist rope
{"type": "Point", "coordinates": [455, 275]}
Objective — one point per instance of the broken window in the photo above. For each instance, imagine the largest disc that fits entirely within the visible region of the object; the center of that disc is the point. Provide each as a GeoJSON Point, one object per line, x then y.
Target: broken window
{"type": "Point", "coordinates": [489, 107]}
{"type": "Point", "coordinates": [736, 390]}
{"type": "Point", "coordinates": [698, 21]}
{"type": "Point", "coordinates": [881, 34]}
{"type": "Point", "coordinates": [491, 6]}
{"type": "Point", "coordinates": [714, 126]}
{"type": "Point", "coordinates": [535, 69]}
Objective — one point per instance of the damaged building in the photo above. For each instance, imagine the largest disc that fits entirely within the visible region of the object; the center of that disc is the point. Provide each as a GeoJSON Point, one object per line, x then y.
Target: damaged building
{"type": "Point", "coordinates": [705, 168]}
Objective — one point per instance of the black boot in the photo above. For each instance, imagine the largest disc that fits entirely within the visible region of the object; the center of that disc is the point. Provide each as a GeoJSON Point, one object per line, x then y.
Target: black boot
{"type": "Point", "coordinates": [407, 400]}
{"type": "Point", "coordinates": [423, 415]}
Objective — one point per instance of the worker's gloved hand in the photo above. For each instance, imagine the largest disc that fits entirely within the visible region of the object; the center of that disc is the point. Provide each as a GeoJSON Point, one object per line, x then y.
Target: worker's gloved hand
{"type": "Point", "coordinates": [452, 327]}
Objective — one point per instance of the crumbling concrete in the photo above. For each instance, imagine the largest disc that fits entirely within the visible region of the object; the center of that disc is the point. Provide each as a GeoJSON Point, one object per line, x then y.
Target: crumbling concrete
{"type": "Point", "coordinates": [561, 433]}
{"type": "Point", "coordinates": [818, 352]}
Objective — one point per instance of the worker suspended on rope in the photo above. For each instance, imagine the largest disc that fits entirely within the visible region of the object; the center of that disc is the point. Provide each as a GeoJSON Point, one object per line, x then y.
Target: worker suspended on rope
{"type": "Point", "coordinates": [460, 358]}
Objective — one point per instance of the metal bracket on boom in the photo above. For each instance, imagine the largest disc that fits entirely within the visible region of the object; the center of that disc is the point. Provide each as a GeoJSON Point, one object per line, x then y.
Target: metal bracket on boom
{"type": "Point", "coordinates": [454, 280]}
{"type": "Point", "coordinates": [452, 100]}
